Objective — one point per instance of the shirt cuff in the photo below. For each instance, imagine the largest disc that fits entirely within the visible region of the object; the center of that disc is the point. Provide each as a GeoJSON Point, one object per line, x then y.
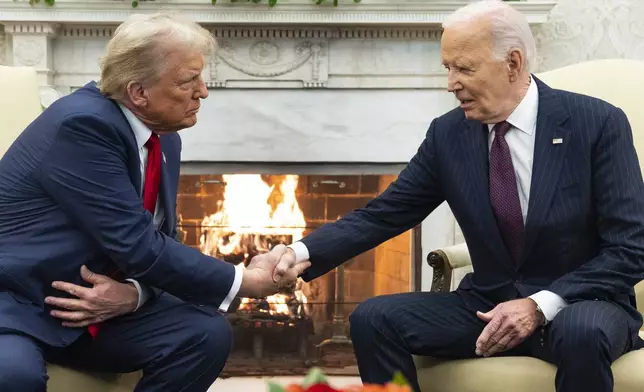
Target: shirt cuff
{"type": "Point", "coordinates": [301, 251]}
{"type": "Point", "coordinates": [234, 289]}
{"type": "Point", "coordinates": [144, 296]}
{"type": "Point", "coordinates": [549, 302]}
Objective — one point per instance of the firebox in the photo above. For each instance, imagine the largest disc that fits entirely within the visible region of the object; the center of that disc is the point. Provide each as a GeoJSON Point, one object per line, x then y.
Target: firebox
{"type": "Point", "coordinates": [235, 215]}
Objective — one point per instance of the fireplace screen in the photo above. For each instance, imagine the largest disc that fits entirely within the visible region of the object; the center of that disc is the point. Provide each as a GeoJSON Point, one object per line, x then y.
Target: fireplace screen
{"type": "Point", "coordinates": [233, 217]}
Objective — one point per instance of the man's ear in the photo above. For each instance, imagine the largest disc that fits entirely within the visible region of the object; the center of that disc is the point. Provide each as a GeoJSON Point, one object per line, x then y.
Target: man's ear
{"type": "Point", "coordinates": [515, 64]}
{"type": "Point", "coordinates": [137, 94]}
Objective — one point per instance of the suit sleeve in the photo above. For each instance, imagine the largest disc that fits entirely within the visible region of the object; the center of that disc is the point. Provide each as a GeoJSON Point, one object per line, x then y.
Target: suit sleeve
{"type": "Point", "coordinates": [85, 172]}
{"type": "Point", "coordinates": [619, 198]}
{"type": "Point", "coordinates": [404, 204]}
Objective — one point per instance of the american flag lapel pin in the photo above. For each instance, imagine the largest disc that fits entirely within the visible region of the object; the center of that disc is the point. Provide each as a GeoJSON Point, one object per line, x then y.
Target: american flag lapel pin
{"type": "Point", "coordinates": [557, 140]}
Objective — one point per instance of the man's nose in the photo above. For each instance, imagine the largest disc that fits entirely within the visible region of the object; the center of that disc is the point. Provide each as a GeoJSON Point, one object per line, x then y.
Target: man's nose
{"type": "Point", "coordinates": [202, 92]}
{"type": "Point", "coordinates": [452, 82]}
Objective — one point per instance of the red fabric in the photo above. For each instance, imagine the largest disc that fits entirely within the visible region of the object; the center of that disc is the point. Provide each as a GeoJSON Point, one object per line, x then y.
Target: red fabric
{"type": "Point", "coordinates": [152, 174]}
{"type": "Point", "coordinates": [150, 190]}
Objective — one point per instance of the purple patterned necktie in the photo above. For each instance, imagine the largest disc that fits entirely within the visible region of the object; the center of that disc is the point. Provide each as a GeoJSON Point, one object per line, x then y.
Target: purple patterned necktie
{"type": "Point", "coordinates": [504, 195]}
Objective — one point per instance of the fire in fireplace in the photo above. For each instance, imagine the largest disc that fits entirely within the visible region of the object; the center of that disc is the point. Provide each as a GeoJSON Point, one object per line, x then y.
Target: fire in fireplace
{"type": "Point", "coordinates": [236, 216]}
{"type": "Point", "coordinates": [247, 224]}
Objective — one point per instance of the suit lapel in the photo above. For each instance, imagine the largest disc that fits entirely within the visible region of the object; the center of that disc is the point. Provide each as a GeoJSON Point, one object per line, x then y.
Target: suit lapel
{"type": "Point", "coordinates": [164, 192]}
{"type": "Point", "coordinates": [551, 145]}
{"type": "Point", "coordinates": [474, 141]}
{"type": "Point", "coordinates": [134, 167]}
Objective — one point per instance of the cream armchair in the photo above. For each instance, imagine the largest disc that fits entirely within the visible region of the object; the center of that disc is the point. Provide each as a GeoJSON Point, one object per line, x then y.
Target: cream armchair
{"type": "Point", "coordinates": [19, 105]}
{"type": "Point", "coordinates": [620, 82]}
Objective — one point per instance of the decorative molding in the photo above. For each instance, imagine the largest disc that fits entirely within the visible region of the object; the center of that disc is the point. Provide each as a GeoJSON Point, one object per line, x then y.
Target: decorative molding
{"type": "Point", "coordinates": [34, 28]}
{"type": "Point", "coordinates": [265, 54]}
{"type": "Point", "coordinates": [301, 12]}
{"type": "Point", "coordinates": [86, 31]}
{"type": "Point", "coordinates": [28, 52]}
{"type": "Point", "coordinates": [583, 30]}
{"type": "Point", "coordinates": [277, 60]}
{"type": "Point", "coordinates": [32, 46]}
{"type": "Point", "coordinates": [383, 32]}
{"type": "Point", "coordinates": [432, 33]}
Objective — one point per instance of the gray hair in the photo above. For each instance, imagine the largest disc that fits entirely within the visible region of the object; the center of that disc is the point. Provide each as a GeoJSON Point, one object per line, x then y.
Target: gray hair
{"type": "Point", "coordinates": [510, 29]}
{"type": "Point", "coordinates": [140, 46]}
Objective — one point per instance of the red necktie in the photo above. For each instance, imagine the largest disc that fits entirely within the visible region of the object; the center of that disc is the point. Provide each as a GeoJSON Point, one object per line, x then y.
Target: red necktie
{"type": "Point", "coordinates": [150, 190]}
{"type": "Point", "coordinates": [152, 174]}
{"type": "Point", "coordinates": [504, 195]}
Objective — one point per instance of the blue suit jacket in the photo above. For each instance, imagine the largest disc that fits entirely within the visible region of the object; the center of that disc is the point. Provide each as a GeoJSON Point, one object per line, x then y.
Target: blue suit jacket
{"type": "Point", "coordinates": [70, 195]}
{"type": "Point", "coordinates": [584, 236]}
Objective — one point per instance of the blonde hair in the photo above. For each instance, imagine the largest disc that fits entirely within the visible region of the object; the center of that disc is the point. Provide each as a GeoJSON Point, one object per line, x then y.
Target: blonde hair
{"type": "Point", "coordinates": [510, 29]}
{"type": "Point", "coordinates": [139, 49]}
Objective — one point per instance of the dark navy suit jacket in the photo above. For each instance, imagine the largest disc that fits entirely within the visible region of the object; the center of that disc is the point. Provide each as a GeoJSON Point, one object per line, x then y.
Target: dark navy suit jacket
{"type": "Point", "coordinates": [584, 237]}
{"type": "Point", "coordinates": [70, 195]}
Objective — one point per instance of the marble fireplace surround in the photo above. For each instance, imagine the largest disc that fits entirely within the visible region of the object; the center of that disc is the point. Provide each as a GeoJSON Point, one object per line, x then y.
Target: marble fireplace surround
{"type": "Point", "coordinates": [299, 85]}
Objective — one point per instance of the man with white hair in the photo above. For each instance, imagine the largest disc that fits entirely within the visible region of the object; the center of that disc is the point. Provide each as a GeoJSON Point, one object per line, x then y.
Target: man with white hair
{"type": "Point", "coordinates": [547, 189]}
{"type": "Point", "coordinates": [90, 275]}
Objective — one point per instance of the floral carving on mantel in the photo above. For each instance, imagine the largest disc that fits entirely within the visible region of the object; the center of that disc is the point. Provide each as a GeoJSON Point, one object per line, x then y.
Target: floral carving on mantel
{"type": "Point", "coordinates": [583, 30]}
{"type": "Point", "coordinates": [303, 52]}
{"type": "Point", "coordinates": [264, 53]}
{"type": "Point", "coordinates": [28, 52]}
{"type": "Point", "coordinates": [269, 60]}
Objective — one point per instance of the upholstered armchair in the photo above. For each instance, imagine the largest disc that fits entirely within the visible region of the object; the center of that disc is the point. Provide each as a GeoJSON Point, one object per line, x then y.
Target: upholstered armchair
{"type": "Point", "coordinates": [19, 105]}
{"type": "Point", "coordinates": [620, 82]}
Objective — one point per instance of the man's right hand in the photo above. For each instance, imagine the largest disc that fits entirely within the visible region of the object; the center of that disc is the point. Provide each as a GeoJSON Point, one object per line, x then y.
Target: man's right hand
{"type": "Point", "coordinates": [261, 277]}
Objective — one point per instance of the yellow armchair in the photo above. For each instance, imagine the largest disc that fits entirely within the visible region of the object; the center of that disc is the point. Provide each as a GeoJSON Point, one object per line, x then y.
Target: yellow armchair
{"type": "Point", "coordinates": [621, 83]}
{"type": "Point", "coordinates": [19, 105]}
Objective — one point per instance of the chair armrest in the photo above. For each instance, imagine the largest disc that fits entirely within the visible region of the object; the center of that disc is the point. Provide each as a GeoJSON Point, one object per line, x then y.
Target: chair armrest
{"type": "Point", "coordinates": [443, 261]}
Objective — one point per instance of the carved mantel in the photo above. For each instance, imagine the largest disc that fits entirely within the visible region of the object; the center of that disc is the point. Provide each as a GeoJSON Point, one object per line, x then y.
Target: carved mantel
{"type": "Point", "coordinates": [373, 44]}
{"type": "Point", "coordinates": [319, 79]}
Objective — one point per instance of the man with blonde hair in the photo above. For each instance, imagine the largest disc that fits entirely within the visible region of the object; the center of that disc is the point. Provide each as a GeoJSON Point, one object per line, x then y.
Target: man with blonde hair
{"type": "Point", "coordinates": [90, 275]}
{"type": "Point", "coordinates": [547, 188]}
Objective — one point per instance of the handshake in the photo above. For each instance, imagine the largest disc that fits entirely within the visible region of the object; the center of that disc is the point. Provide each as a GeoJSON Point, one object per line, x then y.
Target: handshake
{"type": "Point", "coordinates": [271, 272]}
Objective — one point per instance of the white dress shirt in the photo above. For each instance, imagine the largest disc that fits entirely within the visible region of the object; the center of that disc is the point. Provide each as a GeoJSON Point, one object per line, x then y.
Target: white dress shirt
{"type": "Point", "coordinates": [521, 141]}
{"type": "Point", "coordinates": [142, 133]}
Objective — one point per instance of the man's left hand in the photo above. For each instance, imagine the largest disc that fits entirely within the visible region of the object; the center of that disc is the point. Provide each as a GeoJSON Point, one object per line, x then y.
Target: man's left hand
{"type": "Point", "coordinates": [105, 300]}
{"type": "Point", "coordinates": [509, 324]}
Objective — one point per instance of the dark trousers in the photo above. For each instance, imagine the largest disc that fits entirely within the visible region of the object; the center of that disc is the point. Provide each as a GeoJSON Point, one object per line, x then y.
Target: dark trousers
{"type": "Point", "coordinates": [179, 347]}
{"type": "Point", "coordinates": [582, 341]}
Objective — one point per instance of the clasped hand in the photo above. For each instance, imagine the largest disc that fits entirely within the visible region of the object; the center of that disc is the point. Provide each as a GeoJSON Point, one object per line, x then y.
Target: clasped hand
{"type": "Point", "coordinates": [271, 272]}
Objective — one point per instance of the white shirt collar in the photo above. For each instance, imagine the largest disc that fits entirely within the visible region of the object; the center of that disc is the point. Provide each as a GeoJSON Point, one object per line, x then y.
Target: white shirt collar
{"type": "Point", "coordinates": [524, 116]}
{"type": "Point", "coordinates": [141, 132]}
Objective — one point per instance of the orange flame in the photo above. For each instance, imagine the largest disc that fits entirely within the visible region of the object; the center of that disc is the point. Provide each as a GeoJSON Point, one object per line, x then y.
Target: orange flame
{"type": "Point", "coordinates": [246, 224]}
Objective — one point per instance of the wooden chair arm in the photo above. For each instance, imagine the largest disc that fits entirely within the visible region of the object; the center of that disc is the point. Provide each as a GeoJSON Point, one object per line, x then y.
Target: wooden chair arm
{"type": "Point", "coordinates": [443, 261]}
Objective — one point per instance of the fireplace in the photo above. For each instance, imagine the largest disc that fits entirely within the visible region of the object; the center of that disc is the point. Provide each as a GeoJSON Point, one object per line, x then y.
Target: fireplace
{"type": "Point", "coordinates": [234, 216]}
